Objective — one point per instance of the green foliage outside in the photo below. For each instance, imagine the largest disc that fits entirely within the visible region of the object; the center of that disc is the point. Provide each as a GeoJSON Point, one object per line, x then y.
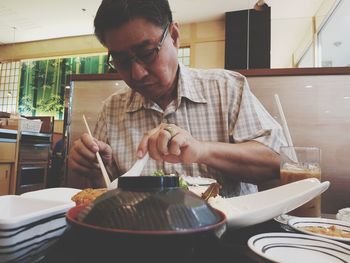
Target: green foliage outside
{"type": "Point", "coordinates": [43, 83]}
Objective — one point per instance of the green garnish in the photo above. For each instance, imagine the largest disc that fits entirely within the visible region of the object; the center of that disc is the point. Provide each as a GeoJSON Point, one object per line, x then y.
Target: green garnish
{"type": "Point", "coordinates": [182, 182]}
{"type": "Point", "coordinates": [158, 173]}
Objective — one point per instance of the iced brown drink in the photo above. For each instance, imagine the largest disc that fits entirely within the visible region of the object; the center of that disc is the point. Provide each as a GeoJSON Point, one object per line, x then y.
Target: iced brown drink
{"type": "Point", "coordinates": [311, 208]}
{"type": "Point", "coordinates": [298, 163]}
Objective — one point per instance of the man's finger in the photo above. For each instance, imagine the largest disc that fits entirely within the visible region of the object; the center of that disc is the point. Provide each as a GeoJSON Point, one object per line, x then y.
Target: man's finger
{"type": "Point", "coordinates": [81, 150]}
{"type": "Point", "coordinates": [143, 145]}
{"type": "Point", "coordinates": [89, 142]}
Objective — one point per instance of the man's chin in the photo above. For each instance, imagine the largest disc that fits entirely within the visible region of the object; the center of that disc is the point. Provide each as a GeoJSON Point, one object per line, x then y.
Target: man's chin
{"type": "Point", "coordinates": [148, 91]}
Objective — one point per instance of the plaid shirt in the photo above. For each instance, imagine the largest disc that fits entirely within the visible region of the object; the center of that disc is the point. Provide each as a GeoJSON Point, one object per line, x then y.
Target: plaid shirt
{"type": "Point", "coordinates": [213, 105]}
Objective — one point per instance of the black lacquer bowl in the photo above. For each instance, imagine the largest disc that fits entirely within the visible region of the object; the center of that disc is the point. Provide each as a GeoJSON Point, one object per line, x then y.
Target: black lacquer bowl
{"type": "Point", "coordinates": [146, 217]}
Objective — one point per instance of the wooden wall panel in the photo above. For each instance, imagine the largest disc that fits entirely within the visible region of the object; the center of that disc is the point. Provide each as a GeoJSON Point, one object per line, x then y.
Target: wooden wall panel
{"type": "Point", "coordinates": [317, 109]}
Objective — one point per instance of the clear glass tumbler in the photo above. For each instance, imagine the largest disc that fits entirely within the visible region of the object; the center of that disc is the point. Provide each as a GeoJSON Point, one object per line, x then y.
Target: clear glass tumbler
{"type": "Point", "coordinates": [298, 163]}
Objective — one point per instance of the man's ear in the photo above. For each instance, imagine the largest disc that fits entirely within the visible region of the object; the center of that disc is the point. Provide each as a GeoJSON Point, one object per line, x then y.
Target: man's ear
{"type": "Point", "coordinates": [175, 34]}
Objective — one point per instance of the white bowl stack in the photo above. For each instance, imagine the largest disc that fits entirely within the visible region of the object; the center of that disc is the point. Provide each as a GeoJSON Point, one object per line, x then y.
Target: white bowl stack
{"type": "Point", "coordinates": [28, 226]}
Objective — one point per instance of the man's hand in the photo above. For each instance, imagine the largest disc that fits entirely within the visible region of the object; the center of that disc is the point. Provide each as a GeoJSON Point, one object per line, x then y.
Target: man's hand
{"type": "Point", "coordinates": [82, 156]}
{"type": "Point", "coordinates": [170, 143]}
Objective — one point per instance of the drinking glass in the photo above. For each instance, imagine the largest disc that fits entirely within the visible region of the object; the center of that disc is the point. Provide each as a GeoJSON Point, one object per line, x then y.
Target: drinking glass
{"type": "Point", "coordinates": [298, 163]}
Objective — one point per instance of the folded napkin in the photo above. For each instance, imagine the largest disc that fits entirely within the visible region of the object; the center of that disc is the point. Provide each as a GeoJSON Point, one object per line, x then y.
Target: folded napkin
{"type": "Point", "coordinates": [344, 214]}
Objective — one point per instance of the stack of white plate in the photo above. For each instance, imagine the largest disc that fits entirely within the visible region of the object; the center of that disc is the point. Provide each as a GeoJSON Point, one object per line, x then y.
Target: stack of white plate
{"type": "Point", "coordinates": [28, 226]}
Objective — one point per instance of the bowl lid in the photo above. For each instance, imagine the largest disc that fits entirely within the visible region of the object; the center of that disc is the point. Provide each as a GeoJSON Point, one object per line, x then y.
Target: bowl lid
{"type": "Point", "coordinates": [139, 208]}
{"type": "Point", "coordinates": [73, 214]}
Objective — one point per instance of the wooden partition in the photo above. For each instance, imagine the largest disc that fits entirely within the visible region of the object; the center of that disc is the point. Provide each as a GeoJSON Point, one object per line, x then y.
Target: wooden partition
{"type": "Point", "coordinates": [316, 104]}
{"type": "Point", "coordinates": [85, 97]}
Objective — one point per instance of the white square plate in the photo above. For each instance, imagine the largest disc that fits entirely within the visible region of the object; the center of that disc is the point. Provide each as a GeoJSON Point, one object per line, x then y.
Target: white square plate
{"type": "Point", "coordinates": [256, 208]}
{"type": "Point", "coordinates": [61, 194]}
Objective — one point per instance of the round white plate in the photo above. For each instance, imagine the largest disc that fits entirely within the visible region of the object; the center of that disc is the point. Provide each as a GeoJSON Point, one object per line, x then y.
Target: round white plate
{"type": "Point", "coordinates": [298, 222]}
{"type": "Point", "coordinates": [292, 247]}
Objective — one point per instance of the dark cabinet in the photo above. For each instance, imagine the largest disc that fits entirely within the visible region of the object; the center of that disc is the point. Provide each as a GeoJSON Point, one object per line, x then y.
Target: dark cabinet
{"type": "Point", "coordinates": [5, 173]}
{"type": "Point", "coordinates": [33, 161]}
{"type": "Point", "coordinates": [248, 39]}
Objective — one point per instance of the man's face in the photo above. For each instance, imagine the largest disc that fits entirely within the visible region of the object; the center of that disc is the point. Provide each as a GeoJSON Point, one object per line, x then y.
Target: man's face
{"type": "Point", "coordinates": [139, 38]}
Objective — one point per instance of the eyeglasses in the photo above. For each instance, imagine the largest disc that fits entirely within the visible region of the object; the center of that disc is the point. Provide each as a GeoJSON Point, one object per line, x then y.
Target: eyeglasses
{"type": "Point", "coordinates": [146, 57]}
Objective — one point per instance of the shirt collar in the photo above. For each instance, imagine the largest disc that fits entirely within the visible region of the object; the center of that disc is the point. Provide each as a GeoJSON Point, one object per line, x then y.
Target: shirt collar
{"type": "Point", "coordinates": [186, 88]}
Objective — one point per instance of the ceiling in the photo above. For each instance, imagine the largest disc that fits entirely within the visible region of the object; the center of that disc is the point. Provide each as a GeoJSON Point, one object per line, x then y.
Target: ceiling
{"type": "Point", "coordinates": [32, 20]}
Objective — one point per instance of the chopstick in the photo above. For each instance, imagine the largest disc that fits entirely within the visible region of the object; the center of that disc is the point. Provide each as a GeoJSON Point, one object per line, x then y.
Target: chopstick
{"type": "Point", "coordinates": [102, 166]}
{"type": "Point", "coordinates": [285, 127]}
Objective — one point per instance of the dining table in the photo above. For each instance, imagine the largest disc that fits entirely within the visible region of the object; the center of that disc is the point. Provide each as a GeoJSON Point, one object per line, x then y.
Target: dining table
{"type": "Point", "coordinates": [230, 247]}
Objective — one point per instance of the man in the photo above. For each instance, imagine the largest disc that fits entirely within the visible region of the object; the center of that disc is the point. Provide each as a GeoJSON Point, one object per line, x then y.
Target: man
{"type": "Point", "coordinates": [193, 122]}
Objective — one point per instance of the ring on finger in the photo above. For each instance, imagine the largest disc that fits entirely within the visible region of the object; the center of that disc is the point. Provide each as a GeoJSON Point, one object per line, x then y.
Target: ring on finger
{"type": "Point", "coordinates": [170, 130]}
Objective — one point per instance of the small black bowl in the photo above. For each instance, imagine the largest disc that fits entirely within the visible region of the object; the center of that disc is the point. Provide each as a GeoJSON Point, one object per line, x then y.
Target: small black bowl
{"type": "Point", "coordinates": [145, 218]}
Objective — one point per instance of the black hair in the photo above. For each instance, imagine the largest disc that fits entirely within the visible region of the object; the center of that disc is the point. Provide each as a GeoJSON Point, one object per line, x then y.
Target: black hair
{"type": "Point", "coordinates": [114, 13]}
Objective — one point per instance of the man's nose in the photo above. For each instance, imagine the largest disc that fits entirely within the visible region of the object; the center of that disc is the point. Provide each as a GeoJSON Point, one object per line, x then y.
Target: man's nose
{"type": "Point", "coordinates": [138, 70]}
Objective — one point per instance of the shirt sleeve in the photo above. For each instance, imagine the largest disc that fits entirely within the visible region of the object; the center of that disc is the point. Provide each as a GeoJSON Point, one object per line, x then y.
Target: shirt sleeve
{"type": "Point", "coordinates": [100, 130]}
{"type": "Point", "coordinates": [255, 123]}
